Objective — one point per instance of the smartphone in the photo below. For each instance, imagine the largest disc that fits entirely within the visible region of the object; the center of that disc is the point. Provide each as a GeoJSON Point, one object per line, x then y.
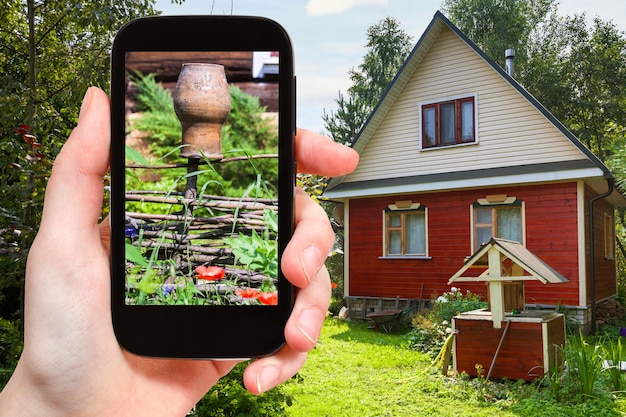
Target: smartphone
{"type": "Point", "coordinates": [202, 185]}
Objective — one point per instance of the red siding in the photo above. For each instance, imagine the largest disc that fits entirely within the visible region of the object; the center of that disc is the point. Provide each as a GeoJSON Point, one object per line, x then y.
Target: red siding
{"type": "Point", "coordinates": [521, 355]}
{"type": "Point", "coordinates": [606, 284]}
{"type": "Point", "coordinates": [551, 234]}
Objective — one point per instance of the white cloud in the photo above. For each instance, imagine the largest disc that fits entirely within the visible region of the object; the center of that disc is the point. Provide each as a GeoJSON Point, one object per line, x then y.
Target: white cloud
{"type": "Point", "coordinates": [328, 7]}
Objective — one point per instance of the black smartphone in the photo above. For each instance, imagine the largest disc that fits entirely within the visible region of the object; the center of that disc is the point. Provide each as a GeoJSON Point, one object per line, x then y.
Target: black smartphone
{"type": "Point", "coordinates": [202, 185]}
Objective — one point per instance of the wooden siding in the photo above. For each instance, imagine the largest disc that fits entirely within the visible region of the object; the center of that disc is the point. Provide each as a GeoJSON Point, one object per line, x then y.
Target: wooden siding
{"type": "Point", "coordinates": [606, 284]}
{"type": "Point", "coordinates": [551, 234]}
{"type": "Point", "coordinates": [522, 355]}
{"type": "Point", "coordinates": [510, 130]}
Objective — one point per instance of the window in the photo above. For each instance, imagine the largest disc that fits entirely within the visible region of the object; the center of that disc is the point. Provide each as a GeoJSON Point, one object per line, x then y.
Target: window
{"type": "Point", "coordinates": [497, 220]}
{"type": "Point", "coordinates": [609, 237]}
{"type": "Point", "coordinates": [405, 230]}
{"type": "Point", "coordinates": [448, 122]}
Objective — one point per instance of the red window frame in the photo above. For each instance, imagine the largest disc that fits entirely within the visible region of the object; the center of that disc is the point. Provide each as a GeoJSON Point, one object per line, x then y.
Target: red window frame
{"type": "Point", "coordinates": [458, 123]}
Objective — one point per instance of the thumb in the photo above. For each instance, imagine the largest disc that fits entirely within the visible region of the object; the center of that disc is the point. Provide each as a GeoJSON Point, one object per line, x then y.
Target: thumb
{"type": "Point", "coordinates": [74, 192]}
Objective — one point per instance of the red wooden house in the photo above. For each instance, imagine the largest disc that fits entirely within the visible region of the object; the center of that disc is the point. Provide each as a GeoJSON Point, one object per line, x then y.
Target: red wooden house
{"type": "Point", "coordinates": [455, 153]}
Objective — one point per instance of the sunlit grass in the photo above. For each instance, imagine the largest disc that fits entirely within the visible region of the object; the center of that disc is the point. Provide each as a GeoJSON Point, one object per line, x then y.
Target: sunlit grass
{"type": "Point", "coordinates": [355, 371]}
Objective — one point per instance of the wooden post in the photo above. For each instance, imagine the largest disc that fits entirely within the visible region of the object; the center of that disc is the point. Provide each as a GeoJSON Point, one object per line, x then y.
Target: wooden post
{"type": "Point", "coordinates": [496, 289]}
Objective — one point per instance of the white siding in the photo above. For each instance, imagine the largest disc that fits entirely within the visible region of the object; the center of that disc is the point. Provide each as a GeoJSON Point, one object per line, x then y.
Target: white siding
{"type": "Point", "coordinates": [510, 130]}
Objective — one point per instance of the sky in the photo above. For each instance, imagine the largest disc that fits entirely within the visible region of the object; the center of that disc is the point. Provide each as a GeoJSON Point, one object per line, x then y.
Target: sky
{"type": "Point", "coordinates": [329, 36]}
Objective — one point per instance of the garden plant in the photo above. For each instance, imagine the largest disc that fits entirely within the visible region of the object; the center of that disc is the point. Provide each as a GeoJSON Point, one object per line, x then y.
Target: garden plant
{"type": "Point", "coordinates": [219, 244]}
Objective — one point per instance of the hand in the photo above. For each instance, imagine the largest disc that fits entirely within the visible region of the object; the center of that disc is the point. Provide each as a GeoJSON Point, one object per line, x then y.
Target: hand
{"type": "Point", "coordinates": [72, 364]}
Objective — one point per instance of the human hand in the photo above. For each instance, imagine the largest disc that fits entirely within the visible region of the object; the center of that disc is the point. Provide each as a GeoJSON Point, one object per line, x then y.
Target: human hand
{"type": "Point", "coordinates": [72, 364]}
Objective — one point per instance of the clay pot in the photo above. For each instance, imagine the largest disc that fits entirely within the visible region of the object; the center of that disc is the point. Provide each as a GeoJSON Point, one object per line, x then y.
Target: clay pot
{"type": "Point", "coordinates": [202, 103]}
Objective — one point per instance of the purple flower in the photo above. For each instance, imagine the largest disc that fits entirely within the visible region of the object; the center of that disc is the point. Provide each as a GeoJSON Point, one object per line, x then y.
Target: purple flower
{"type": "Point", "coordinates": [168, 288]}
{"type": "Point", "coordinates": [131, 232]}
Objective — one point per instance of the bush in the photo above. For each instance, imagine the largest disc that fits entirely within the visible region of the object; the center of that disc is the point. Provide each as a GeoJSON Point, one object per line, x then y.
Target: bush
{"type": "Point", "coordinates": [230, 398]}
{"type": "Point", "coordinates": [431, 328]}
{"type": "Point", "coordinates": [10, 348]}
{"type": "Point", "coordinates": [454, 302]}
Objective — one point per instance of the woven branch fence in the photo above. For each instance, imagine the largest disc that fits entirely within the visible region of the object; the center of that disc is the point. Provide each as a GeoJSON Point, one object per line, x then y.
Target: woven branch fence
{"type": "Point", "coordinates": [187, 232]}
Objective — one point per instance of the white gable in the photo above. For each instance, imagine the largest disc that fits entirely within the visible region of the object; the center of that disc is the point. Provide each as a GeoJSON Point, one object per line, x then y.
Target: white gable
{"type": "Point", "coordinates": [511, 131]}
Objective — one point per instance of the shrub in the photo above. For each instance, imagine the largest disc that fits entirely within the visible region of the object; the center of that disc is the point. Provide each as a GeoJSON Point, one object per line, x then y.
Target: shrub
{"type": "Point", "coordinates": [230, 398]}
{"type": "Point", "coordinates": [10, 348]}
{"type": "Point", "coordinates": [454, 302]}
{"type": "Point", "coordinates": [431, 328]}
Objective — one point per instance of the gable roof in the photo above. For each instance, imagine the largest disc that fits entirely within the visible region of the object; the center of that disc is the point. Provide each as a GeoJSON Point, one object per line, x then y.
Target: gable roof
{"type": "Point", "coordinates": [587, 167]}
{"type": "Point", "coordinates": [518, 254]}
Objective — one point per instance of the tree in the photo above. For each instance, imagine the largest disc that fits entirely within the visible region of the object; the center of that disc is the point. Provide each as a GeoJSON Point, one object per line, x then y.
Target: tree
{"type": "Point", "coordinates": [50, 52]}
{"type": "Point", "coordinates": [497, 25]}
{"type": "Point", "coordinates": [579, 74]}
{"type": "Point", "coordinates": [387, 48]}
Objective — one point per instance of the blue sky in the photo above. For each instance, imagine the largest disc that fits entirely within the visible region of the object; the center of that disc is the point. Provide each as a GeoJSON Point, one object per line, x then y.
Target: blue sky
{"type": "Point", "coordinates": [329, 35]}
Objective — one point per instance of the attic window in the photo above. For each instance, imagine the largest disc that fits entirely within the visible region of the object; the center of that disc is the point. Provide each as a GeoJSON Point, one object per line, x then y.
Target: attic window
{"type": "Point", "coordinates": [448, 122]}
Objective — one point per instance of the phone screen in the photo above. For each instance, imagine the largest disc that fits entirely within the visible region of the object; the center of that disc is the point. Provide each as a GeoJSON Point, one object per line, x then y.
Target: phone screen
{"type": "Point", "coordinates": [202, 185]}
{"type": "Point", "coordinates": [201, 178]}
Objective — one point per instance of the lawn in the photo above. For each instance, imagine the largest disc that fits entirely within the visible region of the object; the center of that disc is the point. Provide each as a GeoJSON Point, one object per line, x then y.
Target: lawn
{"type": "Point", "coordinates": [355, 371]}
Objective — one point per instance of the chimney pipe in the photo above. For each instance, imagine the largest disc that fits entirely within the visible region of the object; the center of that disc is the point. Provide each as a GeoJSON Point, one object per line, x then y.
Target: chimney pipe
{"type": "Point", "coordinates": [509, 54]}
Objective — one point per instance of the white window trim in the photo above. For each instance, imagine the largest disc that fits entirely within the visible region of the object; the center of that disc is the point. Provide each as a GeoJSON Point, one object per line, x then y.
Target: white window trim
{"type": "Point", "coordinates": [484, 202]}
{"type": "Point", "coordinates": [441, 100]}
{"type": "Point", "coordinates": [405, 207]}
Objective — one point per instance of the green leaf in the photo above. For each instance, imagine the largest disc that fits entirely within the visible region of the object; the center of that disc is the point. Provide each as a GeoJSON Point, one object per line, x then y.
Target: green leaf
{"type": "Point", "coordinates": [135, 156]}
{"type": "Point", "coordinates": [134, 255]}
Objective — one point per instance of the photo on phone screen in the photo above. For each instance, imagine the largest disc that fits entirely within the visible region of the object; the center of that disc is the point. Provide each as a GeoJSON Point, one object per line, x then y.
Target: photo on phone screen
{"type": "Point", "coordinates": [201, 178]}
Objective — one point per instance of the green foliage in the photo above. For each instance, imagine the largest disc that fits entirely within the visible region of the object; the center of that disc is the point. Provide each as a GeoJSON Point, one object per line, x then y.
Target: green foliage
{"type": "Point", "coordinates": [258, 252]}
{"type": "Point", "coordinates": [50, 52]}
{"type": "Point", "coordinates": [432, 327]}
{"type": "Point", "coordinates": [158, 119]}
{"type": "Point", "coordinates": [366, 373]}
{"type": "Point", "coordinates": [613, 354]}
{"type": "Point", "coordinates": [387, 47]}
{"type": "Point", "coordinates": [11, 345]}
{"type": "Point", "coordinates": [454, 302]}
{"type": "Point", "coordinates": [247, 131]}
{"type": "Point", "coordinates": [496, 26]}
{"type": "Point", "coordinates": [584, 364]}
{"type": "Point", "coordinates": [229, 398]}
{"type": "Point", "coordinates": [579, 74]}
{"type": "Point", "coordinates": [554, 376]}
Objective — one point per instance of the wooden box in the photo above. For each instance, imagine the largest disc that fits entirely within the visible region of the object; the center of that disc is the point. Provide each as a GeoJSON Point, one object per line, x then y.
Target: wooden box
{"type": "Point", "coordinates": [525, 349]}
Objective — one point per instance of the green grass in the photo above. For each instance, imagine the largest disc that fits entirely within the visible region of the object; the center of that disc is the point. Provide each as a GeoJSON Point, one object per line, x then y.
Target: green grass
{"type": "Point", "coordinates": [355, 371]}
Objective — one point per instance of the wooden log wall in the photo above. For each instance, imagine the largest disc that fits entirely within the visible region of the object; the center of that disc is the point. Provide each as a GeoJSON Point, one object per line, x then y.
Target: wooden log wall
{"type": "Point", "coordinates": [237, 66]}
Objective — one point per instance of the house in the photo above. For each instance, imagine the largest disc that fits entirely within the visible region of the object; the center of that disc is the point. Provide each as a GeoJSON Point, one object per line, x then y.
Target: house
{"type": "Point", "coordinates": [457, 152]}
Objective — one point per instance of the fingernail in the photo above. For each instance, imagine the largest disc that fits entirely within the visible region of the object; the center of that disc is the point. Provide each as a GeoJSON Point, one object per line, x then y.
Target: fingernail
{"type": "Point", "coordinates": [86, 101]}
{"type": "Point", "coordinates": [311, 261]}
{"type": "Point", "coordinates": [267, 378]}
{"type": "Point", "coordinates": [309, 324]}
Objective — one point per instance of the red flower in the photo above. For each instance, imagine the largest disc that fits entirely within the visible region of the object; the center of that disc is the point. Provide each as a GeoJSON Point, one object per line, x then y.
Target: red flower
{"type": "Point", "coordinates": [333, 285]}
{"type": "Point", "coordinates": [210, 273]}
{"type": "Point", "coordinates": [268, 298]}
{"type": "Point", "coordinates": [247, 292]}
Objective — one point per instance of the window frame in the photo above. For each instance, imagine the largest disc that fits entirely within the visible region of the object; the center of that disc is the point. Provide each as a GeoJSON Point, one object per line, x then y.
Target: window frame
{"type": "Point", "coordinates": [494, 225]}
{"type": "Point", "coordinates": [432, 111]}
{"type": "Point", "coordinates": [414, 208]}
{"type": "Point", "coordinates": [609, 236]}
